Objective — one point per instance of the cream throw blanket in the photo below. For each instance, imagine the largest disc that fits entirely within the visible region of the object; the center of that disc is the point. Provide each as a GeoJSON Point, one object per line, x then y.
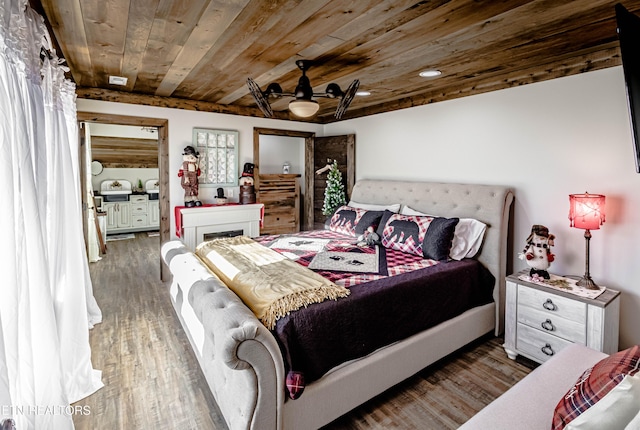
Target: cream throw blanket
{"type": "Point", "coordinates": [267, 282]}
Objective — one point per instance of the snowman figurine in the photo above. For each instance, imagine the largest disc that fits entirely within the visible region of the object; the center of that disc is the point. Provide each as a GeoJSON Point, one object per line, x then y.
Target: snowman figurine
{"type": "Point", "coordinates": [537, 253]}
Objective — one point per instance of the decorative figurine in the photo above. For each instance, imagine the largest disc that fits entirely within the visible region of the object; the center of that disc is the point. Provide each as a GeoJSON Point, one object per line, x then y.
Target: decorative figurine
{"type": "Point", "coordinates": [220, 198]}
{"type": "Point", "coordinates": [537, 252]}
{"type": "Point", "coordinates": [246, 178]}
{"type": "Point", "coordinates": [247, 190]}
{"type": "Point", "coordinates": [248, 169]}
{"type": "Point", "coordinates": [189, 174]}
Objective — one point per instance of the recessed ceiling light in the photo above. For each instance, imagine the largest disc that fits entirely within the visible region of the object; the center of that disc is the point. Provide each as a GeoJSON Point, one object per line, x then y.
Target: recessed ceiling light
{"type": "Point", "coordinates": [363, 93]}
{"type": "Point", "coordinates": [117, 80]}
{"type": "Point", "coordinates": [430, 73]}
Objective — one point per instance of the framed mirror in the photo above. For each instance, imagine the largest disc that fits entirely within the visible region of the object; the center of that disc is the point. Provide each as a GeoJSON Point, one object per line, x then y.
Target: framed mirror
{"type": "Point", "coordinates": [96, 168]}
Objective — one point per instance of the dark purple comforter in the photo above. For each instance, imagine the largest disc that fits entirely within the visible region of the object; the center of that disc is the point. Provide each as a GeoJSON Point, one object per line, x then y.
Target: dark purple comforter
{"type": "Point", "coordinates": [317, 338]}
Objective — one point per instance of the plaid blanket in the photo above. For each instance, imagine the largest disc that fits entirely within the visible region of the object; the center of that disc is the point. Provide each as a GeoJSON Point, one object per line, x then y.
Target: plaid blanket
{"type": "Point", "coordinates": [302, 247]}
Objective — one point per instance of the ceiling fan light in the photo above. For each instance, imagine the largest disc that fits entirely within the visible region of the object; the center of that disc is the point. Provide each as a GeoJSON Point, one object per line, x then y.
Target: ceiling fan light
{"type": "Point", "coordinates": [430, 73]}
{"type": "Point", "coordinates": [303, 108]}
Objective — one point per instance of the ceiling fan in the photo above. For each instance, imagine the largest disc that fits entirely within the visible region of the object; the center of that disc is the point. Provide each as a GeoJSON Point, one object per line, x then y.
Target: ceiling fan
{"type": "Point", "coordinates": [303, 106]}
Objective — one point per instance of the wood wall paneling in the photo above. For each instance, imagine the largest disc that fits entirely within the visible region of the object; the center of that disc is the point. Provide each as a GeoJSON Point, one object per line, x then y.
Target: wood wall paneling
{"type": "Point", "coordinates": [125, 152]}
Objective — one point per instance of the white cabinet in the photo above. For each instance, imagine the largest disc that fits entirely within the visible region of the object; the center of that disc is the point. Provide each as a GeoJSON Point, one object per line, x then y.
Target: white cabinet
{"type": "Point", "coordinates": [118, 215]}
{"type": "Point", "coordinates": [540, 321]}
{"type": "Point", "coordinates": [136, 214]}
{"type": "Point", "coordinates": [124, 215]}
{"type": "Point", "coordinates": [110, 210]}
{"type": "Point", "coordinates": [154, 213]}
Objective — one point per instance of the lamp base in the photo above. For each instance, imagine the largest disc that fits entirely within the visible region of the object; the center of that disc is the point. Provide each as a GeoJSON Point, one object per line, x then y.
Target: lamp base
{"type": "Point", "coordinates": [587, 282]}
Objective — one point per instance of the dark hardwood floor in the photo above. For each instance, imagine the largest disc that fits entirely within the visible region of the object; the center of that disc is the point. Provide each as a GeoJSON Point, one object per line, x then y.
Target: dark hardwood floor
{"type": "Point", "coordinates": [152, 379]}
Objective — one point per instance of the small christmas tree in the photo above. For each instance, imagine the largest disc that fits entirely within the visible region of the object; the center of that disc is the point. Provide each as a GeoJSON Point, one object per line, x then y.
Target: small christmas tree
{"type": "Point", "coordinates": [334, 196]}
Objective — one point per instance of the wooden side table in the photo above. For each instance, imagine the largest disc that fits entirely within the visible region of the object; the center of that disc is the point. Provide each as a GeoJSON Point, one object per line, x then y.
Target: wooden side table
{"type": "Point", "coordinates": [540, 321]}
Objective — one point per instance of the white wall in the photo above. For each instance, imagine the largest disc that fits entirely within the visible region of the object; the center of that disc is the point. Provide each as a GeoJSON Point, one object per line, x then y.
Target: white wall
{"type": "Point", "coordinates": [276, 150]}
{"type": "Point", "coordinates": [547, 140]}
{"type": "Point", "coordinates": [181, 124]}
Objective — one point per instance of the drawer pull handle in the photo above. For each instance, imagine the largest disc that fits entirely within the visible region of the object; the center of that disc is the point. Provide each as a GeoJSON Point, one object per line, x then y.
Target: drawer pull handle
{"type": "Point", "coordinates": [549, 305]}
{"type": "Point", "coordinates": [547, 350]}
{"type": "Point", "coordinates": [548, 325]}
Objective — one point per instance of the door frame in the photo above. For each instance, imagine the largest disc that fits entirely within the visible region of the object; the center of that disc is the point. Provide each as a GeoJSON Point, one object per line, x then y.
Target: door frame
{"type": "Point", "coordinates": [309, 144]}
{"type": "Point", "coordinates": [163, 164]}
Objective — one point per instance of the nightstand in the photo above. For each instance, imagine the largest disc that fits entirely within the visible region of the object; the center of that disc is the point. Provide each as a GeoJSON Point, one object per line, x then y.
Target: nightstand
{"type": "Point", "coordinates": [540, 320]}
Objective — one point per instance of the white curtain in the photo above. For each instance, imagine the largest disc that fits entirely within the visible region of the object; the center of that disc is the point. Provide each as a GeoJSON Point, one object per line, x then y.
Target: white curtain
{"type": "Point", "coordinates": [47, 300]}
{"type": "Point", "coordinates": [93, 246]}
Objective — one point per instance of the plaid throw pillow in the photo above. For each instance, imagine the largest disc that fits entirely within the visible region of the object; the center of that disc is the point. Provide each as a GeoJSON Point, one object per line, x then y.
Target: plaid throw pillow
{"type": "Point", "coordinates": [425, 236]}
{"type": "Point", "coordinates": [295, 384]}
{"type": "Point", "coordinates": [354, 221]}
{"type": "Point", "coordinates": [594, 384]}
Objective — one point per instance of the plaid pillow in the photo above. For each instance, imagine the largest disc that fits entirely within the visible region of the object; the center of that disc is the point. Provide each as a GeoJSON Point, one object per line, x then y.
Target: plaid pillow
{"type": "Point", "coordinates": [295, 384]}
{"type": "Point", "coordinates": [426, 236]}
{"type": "Point", "coordinates": [354, 221]}
{"type": "Point", "coordinates": [594, 384]}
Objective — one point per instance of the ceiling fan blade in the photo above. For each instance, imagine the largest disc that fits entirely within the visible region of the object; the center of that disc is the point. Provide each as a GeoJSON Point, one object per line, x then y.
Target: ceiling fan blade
{"type": "Point", "coordinates": [347, 98]}
{"type": "Point", "coordinates": [261, 100]}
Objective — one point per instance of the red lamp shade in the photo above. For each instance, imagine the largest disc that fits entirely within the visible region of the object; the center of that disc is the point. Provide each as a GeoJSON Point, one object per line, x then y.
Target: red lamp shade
{"type": "Point", "coordinates": [586, 211]}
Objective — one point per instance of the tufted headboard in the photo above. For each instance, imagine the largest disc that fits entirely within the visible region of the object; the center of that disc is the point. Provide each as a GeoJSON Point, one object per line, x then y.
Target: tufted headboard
{"type": "Point", "coordinates": [490, 204]}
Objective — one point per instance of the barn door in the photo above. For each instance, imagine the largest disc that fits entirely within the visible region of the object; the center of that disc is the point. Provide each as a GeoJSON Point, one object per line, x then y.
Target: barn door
{"type": "Point", "coordinates": [329, 148]}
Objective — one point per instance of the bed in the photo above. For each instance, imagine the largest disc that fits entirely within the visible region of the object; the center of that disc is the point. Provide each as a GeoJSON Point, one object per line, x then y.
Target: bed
{"type": "Point", "coordinates": [242, 361]}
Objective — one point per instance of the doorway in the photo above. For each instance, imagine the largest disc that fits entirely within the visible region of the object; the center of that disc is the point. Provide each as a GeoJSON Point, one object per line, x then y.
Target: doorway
{"type": "Point", "coordinates": [316, 152]}
{"type": "Point", "coordinates": [162, 125]}
{"type": "Point", "coordinates": [309, 138]}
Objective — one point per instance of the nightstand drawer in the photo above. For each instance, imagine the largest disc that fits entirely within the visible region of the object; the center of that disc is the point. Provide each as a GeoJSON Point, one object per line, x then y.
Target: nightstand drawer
{"type": "Point", "coordinates": [538, 345]}
{"type": "Point", "coordinates": [553, 324]}
{"type": "Point", "coordinates": [552, 304]}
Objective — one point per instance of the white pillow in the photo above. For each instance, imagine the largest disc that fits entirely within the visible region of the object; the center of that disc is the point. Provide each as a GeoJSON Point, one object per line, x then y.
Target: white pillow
{"type": "Point", "coordinates": [467, 238]}
{"type": "Point", "coordinates": [371, 207]}
{"type": "Point", "coordinates": [618, 409]}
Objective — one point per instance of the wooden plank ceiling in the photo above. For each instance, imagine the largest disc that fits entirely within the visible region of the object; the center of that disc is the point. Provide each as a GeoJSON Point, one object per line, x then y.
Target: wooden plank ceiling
{"type": "Point", "coordinates": [198, 54]}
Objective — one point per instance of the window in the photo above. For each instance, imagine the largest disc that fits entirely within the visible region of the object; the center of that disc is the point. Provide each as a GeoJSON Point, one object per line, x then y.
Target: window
{"type": "Point", "coordinates": [218, 157]}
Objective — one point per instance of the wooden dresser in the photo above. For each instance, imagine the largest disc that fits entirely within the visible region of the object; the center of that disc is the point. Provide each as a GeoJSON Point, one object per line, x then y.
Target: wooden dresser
{"type": "Point", "coordinates": [280, 195]}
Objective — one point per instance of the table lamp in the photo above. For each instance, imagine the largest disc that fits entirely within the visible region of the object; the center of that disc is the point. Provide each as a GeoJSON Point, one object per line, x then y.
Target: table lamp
{"type": "Point", "coordinates": [586, 212]}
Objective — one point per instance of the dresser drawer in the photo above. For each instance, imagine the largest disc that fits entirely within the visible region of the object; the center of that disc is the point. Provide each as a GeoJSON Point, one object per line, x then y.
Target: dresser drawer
{"type": "Point", "coordinates": [552, 304]}
{"type": "Point", "coordinates": [553, 323]}
{"type": "Point", "coordinates": [138, 208]}
{"type": "Point", "coordinates": [138, 199]}
{"type": "Point", "coordinates": [278, 223]}
{"type": "Point", "coordinates": [139, 220]}
{"type": "Point", "coordinates": [538, 345]}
